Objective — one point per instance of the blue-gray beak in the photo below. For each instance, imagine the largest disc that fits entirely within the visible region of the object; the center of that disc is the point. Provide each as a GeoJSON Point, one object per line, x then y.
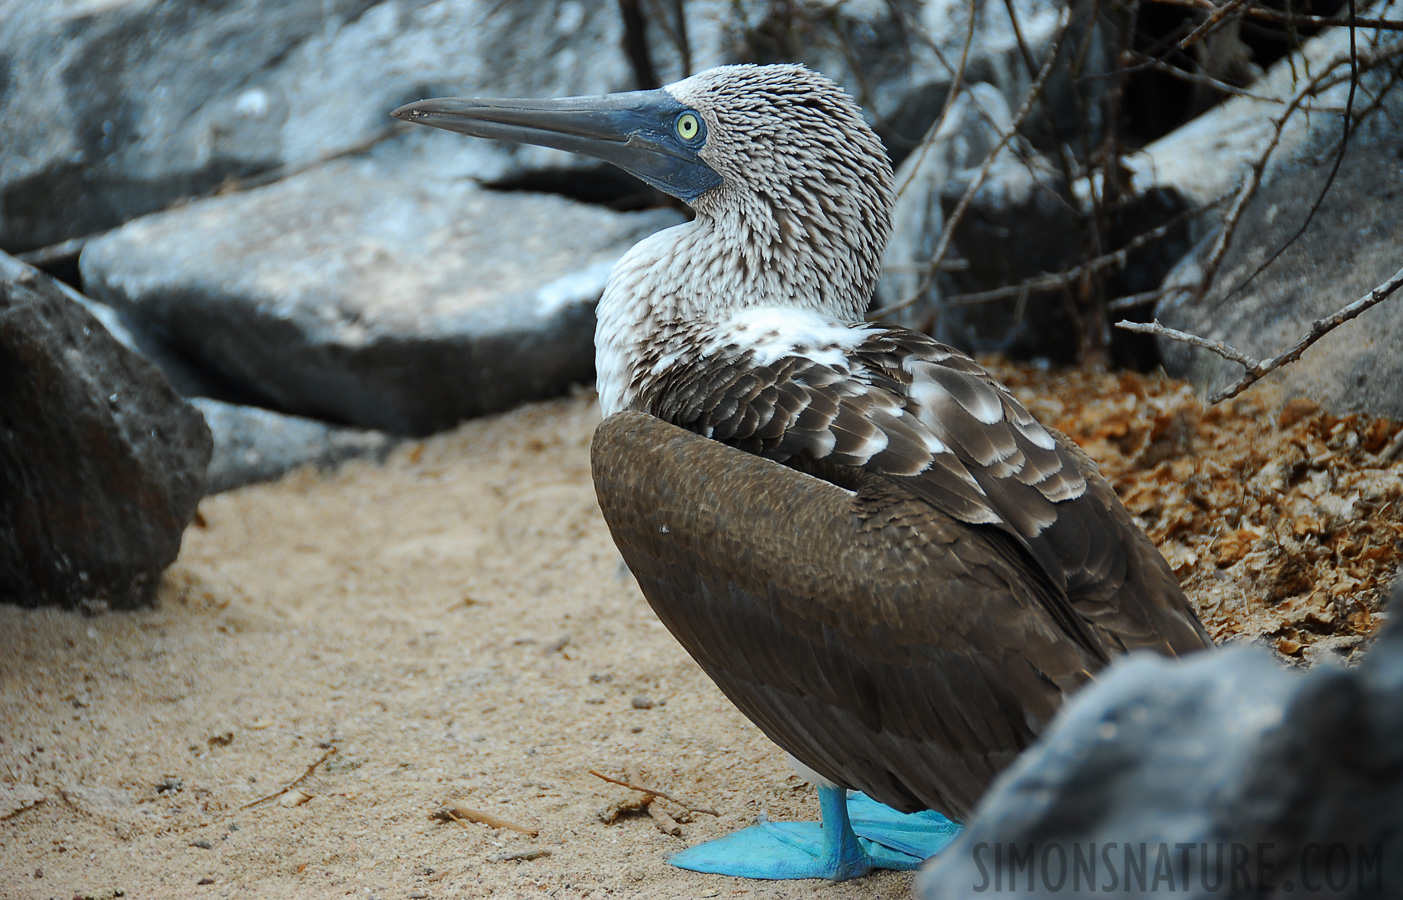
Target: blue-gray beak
{"type": "Point", "coordinates": [636, 131]}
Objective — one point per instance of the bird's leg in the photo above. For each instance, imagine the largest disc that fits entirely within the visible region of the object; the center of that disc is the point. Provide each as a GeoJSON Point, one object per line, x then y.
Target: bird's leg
{"type": "Point", "coordinates": [884, 838]}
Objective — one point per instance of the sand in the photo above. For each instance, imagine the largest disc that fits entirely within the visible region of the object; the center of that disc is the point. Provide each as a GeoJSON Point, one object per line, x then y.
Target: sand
{"type": "Point", "coordinates": [451, 628]}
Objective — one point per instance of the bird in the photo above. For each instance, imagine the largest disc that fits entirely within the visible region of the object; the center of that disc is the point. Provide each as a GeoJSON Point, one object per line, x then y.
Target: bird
{"type": "Point", "coordinates": [863, 538]}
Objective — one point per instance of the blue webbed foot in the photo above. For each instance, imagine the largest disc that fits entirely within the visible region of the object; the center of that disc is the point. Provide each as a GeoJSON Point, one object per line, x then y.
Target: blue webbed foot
{"type": "Point", "coordinates": [919, 834]}
{"type": "Point", "coordinates": [875, 837]}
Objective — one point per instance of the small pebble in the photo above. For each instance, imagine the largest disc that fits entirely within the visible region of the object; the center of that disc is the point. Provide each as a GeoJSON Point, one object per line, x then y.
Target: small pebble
{"type": "Point", "coordinates": [418, 895]}
{"type": "Point", "coordinates": [641, 702]}
{"type": "Point", "coordinates": [205, 881]}
{"type": "Point", "coordinates": [203, 845]}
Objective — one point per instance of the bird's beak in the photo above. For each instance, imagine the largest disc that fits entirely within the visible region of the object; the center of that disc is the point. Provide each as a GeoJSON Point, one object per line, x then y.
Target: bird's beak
{"type": "Point", "coordinates": [634, 131]}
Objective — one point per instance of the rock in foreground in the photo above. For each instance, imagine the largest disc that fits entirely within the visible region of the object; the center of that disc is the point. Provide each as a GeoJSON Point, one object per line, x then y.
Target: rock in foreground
{"type": "Point", "coordinates": [1219, 775]}
{"type": "Point", "coordinates": [101, 463]}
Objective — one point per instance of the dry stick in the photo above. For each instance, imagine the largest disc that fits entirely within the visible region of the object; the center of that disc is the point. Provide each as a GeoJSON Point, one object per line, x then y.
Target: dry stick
{"type": "Point", "coordinates": [1135, 301]}
{"type": "Point", "coordinates": [958, 213]}
{"type": "Point", "coordinates": [1255, 369]}
{"type": "Point", "coordinates": [1322, 81]}
{"type": "Point", "coordinates": [1216, 15]}
{"type": "Point", "coordinates": [295, 782]}
{"type": "Point", "coordinates": [1297, 20]}
{"type": "Point", "coordinates": [462, 815]}
{"type": "Point", "coordinates": [690, 807]}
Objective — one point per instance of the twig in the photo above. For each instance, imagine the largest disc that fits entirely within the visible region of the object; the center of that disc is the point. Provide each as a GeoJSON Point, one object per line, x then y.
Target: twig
{"type": "Point", "coordinates": [666, 823]}
{"type": "Point", "coordinates": [1155, 64]}
{"type": "Point", "coordinates": [956, 85]}
{"type": "Point", "coordinates": [1224, 350]}
{"type": "Point", "coordinates": [1216, 15]}
{"type": "Point", "coordinates": [462, 815]}
{"type": "Point", "coordinates": [1255, 369]}
{"type": "Point", "coordinates": [1392, 450]}
{"type": "Point", "coordinates": [296, 781]}
{"type": "Point", "coordinates": [1135, 301]}
{"type": "Point", "coordinates": [519, 855]}
{"type": "Point", "coordinates": [690, 807]}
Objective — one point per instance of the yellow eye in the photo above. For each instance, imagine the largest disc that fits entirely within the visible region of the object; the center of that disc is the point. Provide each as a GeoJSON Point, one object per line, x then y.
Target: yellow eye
{"type": "Point", "coordinates": [688, 126]}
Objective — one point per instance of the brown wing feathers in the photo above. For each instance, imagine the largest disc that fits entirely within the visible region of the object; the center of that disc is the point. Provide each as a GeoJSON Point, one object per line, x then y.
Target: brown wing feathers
{"type": "Point", "coordinates": [835, 623]}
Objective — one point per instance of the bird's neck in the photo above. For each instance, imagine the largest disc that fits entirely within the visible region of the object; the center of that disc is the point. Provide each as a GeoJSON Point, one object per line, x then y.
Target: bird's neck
{"type": "Point", "coordinates": [675, 292]}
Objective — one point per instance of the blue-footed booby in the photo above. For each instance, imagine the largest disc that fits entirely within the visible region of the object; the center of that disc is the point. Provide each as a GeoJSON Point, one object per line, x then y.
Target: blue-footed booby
{"type": "Point", "coordinates": [860, 535]}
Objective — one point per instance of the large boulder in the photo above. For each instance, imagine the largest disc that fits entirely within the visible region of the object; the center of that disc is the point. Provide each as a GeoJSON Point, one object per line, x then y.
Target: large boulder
{"type": "Point", "coordinates": [1221, 774]}
{"type": "Point", "coordinates": [379, 296]}
{"type": "Point", "coordinates": [119, 108]}
{"type": "Point", "coordinates": [101, 462]}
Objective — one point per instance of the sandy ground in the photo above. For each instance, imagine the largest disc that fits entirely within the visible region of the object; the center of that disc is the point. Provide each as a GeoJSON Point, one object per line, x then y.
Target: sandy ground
{"type": "Point", "coordinates": [451, 628]}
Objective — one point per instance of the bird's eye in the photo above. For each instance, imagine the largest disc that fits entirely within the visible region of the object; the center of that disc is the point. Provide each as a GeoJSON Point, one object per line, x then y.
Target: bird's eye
{"type": "Point", "coordinates": [688, 126]}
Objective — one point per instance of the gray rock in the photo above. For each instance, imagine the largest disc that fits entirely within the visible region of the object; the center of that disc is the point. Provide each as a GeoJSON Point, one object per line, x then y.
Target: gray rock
{"type": "Point", "coordinates": [120, 108]}
{"type": "Point", "coordinates": [253, 445]}
{"type": "Point", "coordinates": [1352, 245]}
{"type": "Point", "coordinates": [382, 298]}
{"type": "Point", "coordinates": [1221, 774]}
{"type": "Point", "coordinates": [101, 463]}
{"type": "Point", "coordinates": [188, 379]}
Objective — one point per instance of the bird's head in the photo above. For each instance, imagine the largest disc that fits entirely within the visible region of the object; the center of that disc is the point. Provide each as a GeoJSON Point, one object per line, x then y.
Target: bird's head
{"type": "Point", "coordinates": [777, 159]}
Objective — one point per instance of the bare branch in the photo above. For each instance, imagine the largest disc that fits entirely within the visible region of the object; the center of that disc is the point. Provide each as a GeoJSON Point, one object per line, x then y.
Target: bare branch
{"type": "Point", "coordinates": [956, 84]}
{"type": "Point", "coordinates": [1255, 369]}
{"type": "Point", "coordinates": [1224, 350]}
{"type": "Point", "coordinates": [294, 782]}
